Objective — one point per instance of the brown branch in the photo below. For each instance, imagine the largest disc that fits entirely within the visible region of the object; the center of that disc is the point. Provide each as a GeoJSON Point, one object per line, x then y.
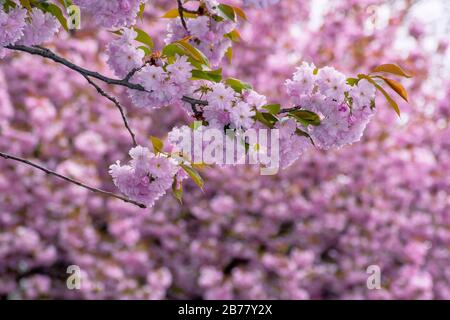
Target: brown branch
{"type": "Point", "coordinates": [47, 53]}
{"type": "Point", "coordinates": [286, 110]}
{"type": "Point", "coordinates": [78, 183]}
{"type": "Point", "coordinates": [181, 13]}
{"type": "Point", "coordinates": [118, 105]}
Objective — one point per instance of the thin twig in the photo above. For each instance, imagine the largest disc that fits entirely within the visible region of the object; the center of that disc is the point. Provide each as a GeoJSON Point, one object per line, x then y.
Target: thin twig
{"type": "Point", "coordinates": [286, 110]}
{"type": "Point", "coordinates": [181, 13]}
{"type": "Point", "coordinates": [78, 183]}
{"type": "Point", "coordinates": [133, 72]}
{"type": "Point", "coordinates": [118, 105]}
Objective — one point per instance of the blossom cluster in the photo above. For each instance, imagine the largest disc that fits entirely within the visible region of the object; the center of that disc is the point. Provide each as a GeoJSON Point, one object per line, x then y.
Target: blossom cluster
{"type": "Point", "coordinates": [123, 56]}
{"type": "Point", "coordinates": [147, 177]}
{"type": "Point", "coordinates": [18, 28]}
{"type": "Point", "coordinates": [164, 85]}
{"type": "Point", "coordinates": [344, 110]}
{"type": "Point", "coordinates": [207, 32]}
{"type": "Point", "coordinates": [112, 13]}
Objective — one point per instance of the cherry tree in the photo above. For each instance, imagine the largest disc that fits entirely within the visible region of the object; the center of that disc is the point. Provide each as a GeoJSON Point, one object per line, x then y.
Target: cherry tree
{"type": "Point", "coordinates": [327, 109]}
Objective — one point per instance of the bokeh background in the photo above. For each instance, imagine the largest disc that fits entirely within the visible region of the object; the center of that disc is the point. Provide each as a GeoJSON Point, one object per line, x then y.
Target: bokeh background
{"type": "Point", "coordinates": [309, 232]}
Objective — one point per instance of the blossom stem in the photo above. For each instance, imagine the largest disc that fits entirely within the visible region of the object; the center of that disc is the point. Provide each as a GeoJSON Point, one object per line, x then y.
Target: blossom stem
{"type": "Point", "coordinates": [76, 182]}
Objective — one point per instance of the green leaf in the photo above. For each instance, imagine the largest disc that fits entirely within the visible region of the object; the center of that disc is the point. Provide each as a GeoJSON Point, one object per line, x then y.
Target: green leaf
{"type": "Point", "coordinates": [195, 176]}
{"type": "Point", "coordinates": [144, 38]}
{"type": "Point", "coordinates": [146, 50]}
{"type": "Point", "coordinates": [238, 85]}
{"type": "Point", "coordinates": [194, 52]}
{"type": "Point", "coordinates": [213, 76]}
{"type": "Point", "coordinates": [195, 125]}
{"type": "Point", "coordinates": [305, 117]}
{"type": "Point", "coordinates": [229, 54]}
{"type": "Point", "coordinates": [141, 11]}
{"type": "Point", "coordinates": [304, 134]}
{"type": "Point", "coordinates": [352, 81]}
{"type": "Point", "coordinates": [234, 36]}
{"type": "Point", "coordinates": [65, 3]}
{"type": "Point", "coordinates": [391, 101]}
{"type": "Point", "coordinates": [240, 13]}
{"type": "Point", "coordinates": [55, 11]}
{"type": "Point", "coordinates": [227, 12]}
{"type": "Point", "coordinates": [177, 190]}
{"type": "Point", "coordinates": [26, 4]}
{"type": "Point", "coordinates": [393, 69]}
{"type": "Point", "coordinates": [9, 5]}
{"type": "Point", "coordinates": [396, 86]}
{"type": "Point", "coordinates": [158, 145]}
{"type": "Point", "coordinates": [267, 119]}
{"type": "Point", "coordinates": [273, 108]}
{"type": "Point", "coordinates": [172, 50]}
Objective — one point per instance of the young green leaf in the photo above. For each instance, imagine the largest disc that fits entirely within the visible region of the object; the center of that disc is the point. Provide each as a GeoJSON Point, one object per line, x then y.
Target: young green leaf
{"type": "Point", "coordinates": [397, 87]}
{"type": "Point", "coordinates": [305, 117]}
{"type": "Point", "coordinates": [238, 85]}
{"type": "Point", "coordinates": [234, 36]}
{"type": "Point", "coordinates": [391, 101]}
{"type": "Point", "coordinates": [273, 108]}
{"type": "Point", "coordinates": [158, 145]}
{"type": "Point", "coordinates": [267, 119]}
{"type": "Point", "coordinates": [177, 190]}
{"type": "Point", "coordinates": [194, 52]}
{"type": "Point", "coordinates": [352, 81]}
{"type": "Point", "coordinates": [141, 11]}
{"type": "Point", "coordinates": [26, 4]}
{"type": "Point", "coordinates": [229, 54]}
{"type": "Point", "coordinates": [55, 11]}
{"type": "Point", "coordinates": [195, 176]}
{"type": "Point", "coordinates": [144, 38]}
{"type": "Point", "coordinates": [240, 13]}
{"type": "Point", "coordinates": [146, 50]}
{"type": "Point", "coordinates": [393, 69]}
{"type": "Point", "coordinates": [227, 12]}
{"type": "Point", "coordinates": [213, 76]}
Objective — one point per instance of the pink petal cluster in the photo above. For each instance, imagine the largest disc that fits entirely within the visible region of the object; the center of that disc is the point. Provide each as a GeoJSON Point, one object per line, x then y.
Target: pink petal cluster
{"type": "Point", "coordinates": [11, 26]}
{"type": "Point", "coordinates": [163, 86]}
{"type": "Point", "coordinates": [292, 145]}
{"type": "Point", "coordinates": [146, 178]}
{"type": "Point", "coordinates": [111, 13]}
{"type": "Point", "coordinates": [42, 27]}
{"type": "Point", "coordinates": [123, 56]}
{"type": "Point", "coordinates": [208, 35]}
{"type": "Point", "coordinates": [324, 91]}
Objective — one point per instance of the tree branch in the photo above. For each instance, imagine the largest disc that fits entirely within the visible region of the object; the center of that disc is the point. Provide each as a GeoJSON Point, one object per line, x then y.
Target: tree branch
{"type": "Point", "coordinates": [286, 110]}
{"type": "Point", "coordinates": [47, 53]}
{"type": "Point", "coordinates": [78, 183]}
{"type": "Point", "coordinates": [181, 13]}
{"type": "Point", "coordinates": [118, 105]}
